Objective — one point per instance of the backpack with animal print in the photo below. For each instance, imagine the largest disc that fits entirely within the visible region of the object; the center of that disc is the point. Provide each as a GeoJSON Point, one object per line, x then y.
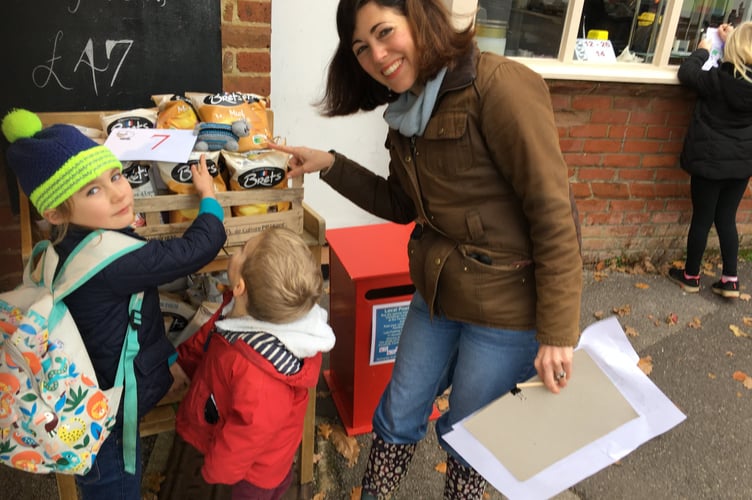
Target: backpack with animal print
{"type": "Point", "coordinates": [53, 415]}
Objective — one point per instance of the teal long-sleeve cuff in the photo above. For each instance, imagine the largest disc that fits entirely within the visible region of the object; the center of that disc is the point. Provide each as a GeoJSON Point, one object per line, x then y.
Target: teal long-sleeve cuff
{"type": "Point", "coordinates": [211, 206]}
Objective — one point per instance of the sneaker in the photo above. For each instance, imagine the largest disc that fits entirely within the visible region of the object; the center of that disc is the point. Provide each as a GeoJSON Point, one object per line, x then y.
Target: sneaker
{"type": "Point", "coordinates": [689, 285]}
{"type": "Point", "coordinates": [730, 289]}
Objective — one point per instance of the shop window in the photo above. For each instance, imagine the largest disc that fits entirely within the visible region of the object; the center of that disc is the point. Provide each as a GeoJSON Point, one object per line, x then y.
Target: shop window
{"type": "Point", "coordinates": [649, 38]}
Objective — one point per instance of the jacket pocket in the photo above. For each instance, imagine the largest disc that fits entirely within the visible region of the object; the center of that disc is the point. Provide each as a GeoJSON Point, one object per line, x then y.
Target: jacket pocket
{"type": "Point", "coordinates": [448, 149]}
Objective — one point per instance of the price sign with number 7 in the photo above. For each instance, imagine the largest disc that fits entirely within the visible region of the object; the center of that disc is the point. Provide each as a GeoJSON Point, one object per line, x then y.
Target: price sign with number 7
{"type": "Point", "coordinates": [151, 144]}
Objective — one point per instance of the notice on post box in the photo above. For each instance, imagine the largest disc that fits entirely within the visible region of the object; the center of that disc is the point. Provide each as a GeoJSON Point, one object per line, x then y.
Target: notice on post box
{"type": "Point", "coordinates": [386, 326]}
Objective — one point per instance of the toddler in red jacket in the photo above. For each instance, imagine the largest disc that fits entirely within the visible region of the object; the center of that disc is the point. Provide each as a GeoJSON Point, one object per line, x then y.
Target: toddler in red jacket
{"type": "Point", "coordinates": [251, 365]}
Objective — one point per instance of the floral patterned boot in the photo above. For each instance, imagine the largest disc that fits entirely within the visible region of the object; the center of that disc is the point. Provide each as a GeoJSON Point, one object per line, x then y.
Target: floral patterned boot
{"type": "Point", "coordinates": [462, 483]}
{"type": "Point", "coordinates": [387, 465]}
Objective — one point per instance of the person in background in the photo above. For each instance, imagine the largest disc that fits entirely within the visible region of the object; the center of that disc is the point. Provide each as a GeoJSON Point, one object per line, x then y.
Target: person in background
{"type": "Point", "coordinates": [717, 154]}
{"type": "Point", "coordinates": [78, 186]}
{"type": "Point", "coordinates": [494, 254]}
{"type": "Point", "coordinates": [252, 364]}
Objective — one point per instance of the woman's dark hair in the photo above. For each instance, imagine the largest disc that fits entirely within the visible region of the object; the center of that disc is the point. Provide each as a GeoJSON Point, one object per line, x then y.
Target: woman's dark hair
{"type": "Point", "coordinates": [350, 89]}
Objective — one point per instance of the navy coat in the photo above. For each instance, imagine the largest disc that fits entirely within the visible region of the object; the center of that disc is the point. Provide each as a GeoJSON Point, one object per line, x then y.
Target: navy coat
{"type": "Point", "coordinates": [100, 307]}
{"type": "Point", "coordinates": [719, 139]}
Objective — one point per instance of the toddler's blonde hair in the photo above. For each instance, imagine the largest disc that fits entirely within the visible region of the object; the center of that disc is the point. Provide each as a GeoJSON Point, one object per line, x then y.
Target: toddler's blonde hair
{"type": "Point", "coordinates": [738, 50]}
{"type": "Point", "coordinates": [283, 280]}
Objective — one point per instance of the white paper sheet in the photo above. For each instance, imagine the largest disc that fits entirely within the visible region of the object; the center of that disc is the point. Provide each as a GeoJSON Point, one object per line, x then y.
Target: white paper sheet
{"type": "Point", "coordinates": [716, 49]}
{"type": "Point", "coordinates": [609, 348]}
{"type": "Point", "coordinates": [157, 144]}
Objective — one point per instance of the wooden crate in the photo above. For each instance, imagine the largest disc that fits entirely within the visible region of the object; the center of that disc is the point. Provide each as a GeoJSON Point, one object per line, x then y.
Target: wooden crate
{"type": "Point", "coordinates": [239, 228]}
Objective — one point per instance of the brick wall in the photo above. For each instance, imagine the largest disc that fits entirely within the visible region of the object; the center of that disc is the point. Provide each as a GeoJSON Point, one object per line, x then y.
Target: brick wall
{"type": "Point", "coordinates": [621, 142]}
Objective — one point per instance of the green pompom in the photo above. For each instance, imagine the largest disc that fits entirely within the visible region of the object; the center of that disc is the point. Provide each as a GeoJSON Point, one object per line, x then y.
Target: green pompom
{"type": "Point", "coordinates": [20, 124]}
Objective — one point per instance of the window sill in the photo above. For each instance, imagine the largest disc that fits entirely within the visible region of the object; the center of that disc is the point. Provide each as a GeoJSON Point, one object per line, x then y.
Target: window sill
{"type": "Point", "coordinates": [624, 72]}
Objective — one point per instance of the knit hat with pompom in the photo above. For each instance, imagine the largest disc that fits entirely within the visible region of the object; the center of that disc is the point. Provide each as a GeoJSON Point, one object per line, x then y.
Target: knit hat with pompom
{"type": "Point", "coordinates": [52, 163]}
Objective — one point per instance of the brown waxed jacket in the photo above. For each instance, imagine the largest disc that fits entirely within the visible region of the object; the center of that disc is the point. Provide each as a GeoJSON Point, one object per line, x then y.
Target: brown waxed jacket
{"type": "Point", "coordinates": [497, 242]}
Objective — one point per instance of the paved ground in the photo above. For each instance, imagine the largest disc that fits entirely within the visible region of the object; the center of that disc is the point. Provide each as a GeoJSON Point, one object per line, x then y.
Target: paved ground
{"type": "Point", "coordinates": [708, 456]}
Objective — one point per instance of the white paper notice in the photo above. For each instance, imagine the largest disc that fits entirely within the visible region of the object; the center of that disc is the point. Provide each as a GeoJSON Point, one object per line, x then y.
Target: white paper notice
{"type": "Point", "coordinates": [610, 408]}
{"type": "Point", "coordinates": [156, 144]}
{"type": "Point", "coordinates": [716, 49]}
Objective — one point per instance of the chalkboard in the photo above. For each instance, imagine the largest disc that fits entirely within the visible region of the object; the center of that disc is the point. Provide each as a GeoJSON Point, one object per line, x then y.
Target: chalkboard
{"type": "Point", "coordinates": [88, 55]}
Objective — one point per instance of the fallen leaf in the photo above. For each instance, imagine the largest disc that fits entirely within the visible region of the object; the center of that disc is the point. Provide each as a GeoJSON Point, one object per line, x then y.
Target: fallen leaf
{"type": "Point", "coordinates": [441, 467]}
{"type": "Point", "coordinates": [729, 354]}
{"type": "Point", "coordinates": [599, 314]}
{"type": "Point", "coordinates": [747, 320]}
{"type": "Point", "coordinates": [317, 457]}
{"type": "Point", "coordinates": [623, 310]}
{"type": "Point", "coordinates": [347, 446]}
{"type": "Point", "coordinates": [356, 493]}
{"type": "Point", "coordinates": [739, 376]}
{"type": "Point", "coordinates": [712, 376]}
{"type": "Point", "coordinates": [152, 481]}
{"type": "Point", "coordinates": [321, 495]}
{"type": "Point", "coordinates": [672, 319]}
{"type": "Point", "coordinates": [325, 430]}
{"type": "Point", "coordinates": [747, 383]}
{"type": "Point", "coordinates": [745, 296]}
{"type": "Point", "coordinates": [695, 323]}
{"type": "Point", "coordinates": [646, 364]}
{"type": "Point", "coordinates": [738, 331]}
{"type": "Point", "coordinates": [642, 286]}
{"type": "Point", "coordinates": [631, 332]}
{"type": "Point", "coordinates": [442, 404]}
{"type": "Point", "coordinates": [486, 495]}
{"type": "Point", "coordinates": [600, 276]}
{"type": "Point", "coordinates": [600, 266]}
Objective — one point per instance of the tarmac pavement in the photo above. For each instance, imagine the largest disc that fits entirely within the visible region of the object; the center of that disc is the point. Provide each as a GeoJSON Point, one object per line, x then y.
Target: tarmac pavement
{"type": "Point", "coordinates": [708, 456]}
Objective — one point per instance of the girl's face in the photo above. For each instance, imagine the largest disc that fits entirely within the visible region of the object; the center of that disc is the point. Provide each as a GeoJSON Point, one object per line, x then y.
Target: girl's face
{"type": "Point", "coordinates": [104, 203]}
{"type": "Point", "coordinates": [385, 48]}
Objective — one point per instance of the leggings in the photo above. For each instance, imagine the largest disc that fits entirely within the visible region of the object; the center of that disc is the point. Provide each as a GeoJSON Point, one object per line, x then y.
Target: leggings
{"type": "Point", "coordinates": [714, 202]}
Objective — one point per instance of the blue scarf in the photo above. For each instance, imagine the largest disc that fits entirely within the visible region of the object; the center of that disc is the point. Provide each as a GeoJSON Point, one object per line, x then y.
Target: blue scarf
{"type": "Point", "coordinates": [410, 113]}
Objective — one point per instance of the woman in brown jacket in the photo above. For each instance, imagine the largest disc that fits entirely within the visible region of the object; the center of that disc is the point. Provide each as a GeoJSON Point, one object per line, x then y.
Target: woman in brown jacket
{"type": "Point", "coordinates": [495, 257]}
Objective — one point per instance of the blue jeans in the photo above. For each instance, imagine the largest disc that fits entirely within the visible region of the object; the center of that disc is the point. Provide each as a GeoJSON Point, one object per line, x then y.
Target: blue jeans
{"type": "Point", "coordinates": [107, 479]}
{"type": "Point", "coordinates": [480, 363]}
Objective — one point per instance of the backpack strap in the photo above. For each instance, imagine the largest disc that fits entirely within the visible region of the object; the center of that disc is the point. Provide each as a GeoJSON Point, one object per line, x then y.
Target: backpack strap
{"type": "Point", "coordinates": [95, 252]}
{"type": "Point", "coordinates": [126, 376]}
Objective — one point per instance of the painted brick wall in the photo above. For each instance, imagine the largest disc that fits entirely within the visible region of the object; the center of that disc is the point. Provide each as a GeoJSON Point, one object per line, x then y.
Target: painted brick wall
{"type": "Point", "coordinates": [621, 142]}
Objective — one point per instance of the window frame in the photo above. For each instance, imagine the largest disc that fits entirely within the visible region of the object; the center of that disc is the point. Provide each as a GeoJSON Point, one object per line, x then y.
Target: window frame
{"type": "Point", "coordinates": [564, 67]}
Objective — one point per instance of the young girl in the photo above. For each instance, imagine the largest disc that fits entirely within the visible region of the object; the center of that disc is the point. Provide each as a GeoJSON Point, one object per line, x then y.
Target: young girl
{"type": "Point", "coordinates": [77, 186]}
{"type": "Point", "coordinates": [718, 154]}
{"type": "Point", "coordinates": [251, 370]}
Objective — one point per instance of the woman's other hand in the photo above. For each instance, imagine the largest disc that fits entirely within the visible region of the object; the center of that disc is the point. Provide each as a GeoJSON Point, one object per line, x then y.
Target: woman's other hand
{"type": "Point", "coordinates": [554, 365]}
{"type": "Point", "coordinates": [304, 160]}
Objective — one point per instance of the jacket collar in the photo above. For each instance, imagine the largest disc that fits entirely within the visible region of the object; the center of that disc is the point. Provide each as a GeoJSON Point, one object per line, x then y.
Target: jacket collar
{"type": "Point", "coordinates": [463, 74]}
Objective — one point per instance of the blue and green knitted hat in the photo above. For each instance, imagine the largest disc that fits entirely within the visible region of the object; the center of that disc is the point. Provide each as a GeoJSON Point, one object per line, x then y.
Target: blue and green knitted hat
{"type": "Point", "coordinates": [52, 163]}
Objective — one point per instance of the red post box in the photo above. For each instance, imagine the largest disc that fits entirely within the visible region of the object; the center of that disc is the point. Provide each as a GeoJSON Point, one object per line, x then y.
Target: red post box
{"type": "Point", "coordinates": [370, 290]}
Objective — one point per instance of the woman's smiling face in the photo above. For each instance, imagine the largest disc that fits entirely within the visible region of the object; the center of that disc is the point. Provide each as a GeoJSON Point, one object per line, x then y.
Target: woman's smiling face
{"type": "Point", "coordinates": [385, 48]}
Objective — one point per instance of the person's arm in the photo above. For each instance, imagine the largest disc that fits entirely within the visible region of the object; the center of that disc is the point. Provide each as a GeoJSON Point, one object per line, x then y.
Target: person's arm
{"type": "Point", "coordinates": [373, 193]}
{"type": "Point", "coordinates": [523, 142]}
{"type": "Point", "coordinates": [191, 350]}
